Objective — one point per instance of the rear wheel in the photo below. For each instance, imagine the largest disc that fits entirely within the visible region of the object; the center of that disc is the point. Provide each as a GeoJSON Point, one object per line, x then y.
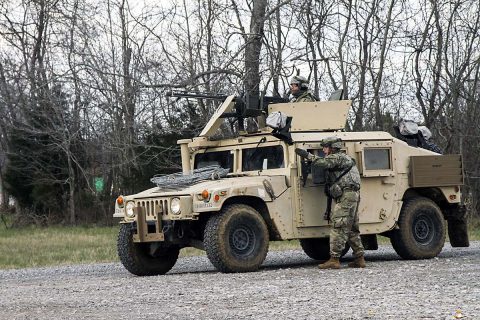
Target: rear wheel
{"type": "Point", "coordinates": [144, 259]}
{"type": "Point", "coordinates": [236, 240]}
{"type": "Point", "coordinates": [421, 233]}
{"type": "Point", "coordinates": [319, 248]}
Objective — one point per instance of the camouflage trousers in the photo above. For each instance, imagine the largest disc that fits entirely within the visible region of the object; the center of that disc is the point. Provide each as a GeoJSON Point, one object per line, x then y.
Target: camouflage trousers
{"type": "Point", "coordinates": [345, 225]}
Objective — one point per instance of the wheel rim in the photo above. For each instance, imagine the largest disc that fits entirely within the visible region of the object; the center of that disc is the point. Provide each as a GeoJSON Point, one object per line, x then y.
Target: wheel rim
{"type": "Point", "coordinates": [423, 229]}
{"type": "Point", "coordinates": [242, 240]}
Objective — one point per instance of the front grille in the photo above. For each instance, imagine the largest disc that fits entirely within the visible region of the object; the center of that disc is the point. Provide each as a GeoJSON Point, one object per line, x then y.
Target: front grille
{"type": "Point", "coordinates": [154, 206]}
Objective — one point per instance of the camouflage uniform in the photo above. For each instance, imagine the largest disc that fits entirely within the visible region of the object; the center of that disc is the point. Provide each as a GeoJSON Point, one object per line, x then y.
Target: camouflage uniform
{"type": "Point", "coordinates": [346, 193]}
{"type": "Point", "coordinates": [304, 96]}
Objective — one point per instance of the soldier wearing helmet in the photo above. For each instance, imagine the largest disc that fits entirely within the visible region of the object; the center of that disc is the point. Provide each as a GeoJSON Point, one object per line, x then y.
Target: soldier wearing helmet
{"type": "Point", "coordinates": [299, 90]}
{"type": "Point", "coordinates": [343, 186]}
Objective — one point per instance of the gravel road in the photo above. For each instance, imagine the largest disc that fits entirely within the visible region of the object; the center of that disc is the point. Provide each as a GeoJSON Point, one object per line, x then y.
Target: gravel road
{"type": "Point", "coordinates": [288, 286]}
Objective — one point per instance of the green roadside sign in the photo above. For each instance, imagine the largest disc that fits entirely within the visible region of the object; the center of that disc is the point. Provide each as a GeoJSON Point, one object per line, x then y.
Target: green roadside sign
{"type": "Point", "coordinates": [99, 184]}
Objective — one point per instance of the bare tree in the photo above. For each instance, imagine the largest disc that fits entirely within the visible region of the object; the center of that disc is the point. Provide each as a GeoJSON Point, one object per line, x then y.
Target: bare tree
{"type": "Point", "coordinates": [83, 85]}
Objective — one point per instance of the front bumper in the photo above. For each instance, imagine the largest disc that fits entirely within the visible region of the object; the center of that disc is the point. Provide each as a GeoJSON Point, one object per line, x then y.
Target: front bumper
{"type": "Point", "coordinates": [143, 234]}
{"type": "Point", "coordinates": [150, 214]}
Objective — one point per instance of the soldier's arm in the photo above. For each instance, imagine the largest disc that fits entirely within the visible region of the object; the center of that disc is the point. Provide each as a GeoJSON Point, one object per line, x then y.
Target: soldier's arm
{"type": "Point", "coordinates": [328, 162]}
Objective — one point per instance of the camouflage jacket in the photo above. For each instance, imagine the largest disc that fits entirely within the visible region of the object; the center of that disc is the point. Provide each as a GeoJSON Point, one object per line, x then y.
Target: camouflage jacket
{"type": "Point", "coordinates": [335, 164]}
{"type": "Point", "coordinates": [305, 96]}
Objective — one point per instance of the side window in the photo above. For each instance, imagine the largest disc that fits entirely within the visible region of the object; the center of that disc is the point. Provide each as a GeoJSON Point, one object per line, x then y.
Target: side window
{"type": "Point", "coordinates": [317, 174]}
{"type": "Point", "coordinates": [377, 159]}
{"type": "Point", "coordinates": [262, 158]}
{"type": "Point", "coordinates": [317, 152]}
{"type": "Point", "coordinates": [222, 158]}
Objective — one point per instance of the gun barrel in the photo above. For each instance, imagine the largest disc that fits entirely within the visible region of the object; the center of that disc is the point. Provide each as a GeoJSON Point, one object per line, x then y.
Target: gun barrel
{"type": "Point", "coordinates": [197, 95]}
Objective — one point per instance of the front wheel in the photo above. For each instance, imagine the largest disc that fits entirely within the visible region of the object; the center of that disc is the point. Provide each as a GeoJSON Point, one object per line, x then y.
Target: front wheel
{"type": "Point", "coordinates": [421, 233]}
{"type": "Point", "coordinates": [236, 239]}
{"type": "Point", "coordinates": [144, 259]}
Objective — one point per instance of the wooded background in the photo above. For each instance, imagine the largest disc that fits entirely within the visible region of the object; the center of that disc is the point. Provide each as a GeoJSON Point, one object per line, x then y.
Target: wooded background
{"type": "Point", "coordinates": [83, 111]}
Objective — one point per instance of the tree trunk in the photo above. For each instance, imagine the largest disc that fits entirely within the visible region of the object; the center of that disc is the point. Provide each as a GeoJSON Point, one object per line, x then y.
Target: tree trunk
{"type": "Point", "coordinates": [252, 53]}
{"type": "Point", "coordinates": [71, 186]}
{"type": "Point", "coordinates": [253, 48]}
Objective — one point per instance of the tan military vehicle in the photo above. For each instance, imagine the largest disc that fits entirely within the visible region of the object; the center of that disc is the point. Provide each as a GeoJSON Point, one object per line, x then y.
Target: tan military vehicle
{"type": "Point", "coordinates": [408, 194]}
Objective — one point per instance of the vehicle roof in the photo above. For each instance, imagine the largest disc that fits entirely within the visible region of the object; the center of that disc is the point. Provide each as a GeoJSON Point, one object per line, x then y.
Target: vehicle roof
{"type": "Point", "coordinates": [202, 142]}
{"type": "Point", "coordinates": [347, 136]}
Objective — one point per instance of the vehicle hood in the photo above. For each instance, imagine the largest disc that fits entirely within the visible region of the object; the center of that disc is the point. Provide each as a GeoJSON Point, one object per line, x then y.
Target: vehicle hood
{"type": "Point", "coordinates": [223, 183]}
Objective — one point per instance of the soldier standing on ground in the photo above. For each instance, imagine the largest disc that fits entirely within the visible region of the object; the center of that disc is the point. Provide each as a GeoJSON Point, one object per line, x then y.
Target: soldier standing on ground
{"type": "Point", "coordinates": [343, 180]}
{"type": "Point", "coordinates": [299, 90]}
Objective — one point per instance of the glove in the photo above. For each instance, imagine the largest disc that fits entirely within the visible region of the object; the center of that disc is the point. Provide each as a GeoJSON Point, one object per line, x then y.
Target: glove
{"type": "Point", "coordinates": [304, 153]}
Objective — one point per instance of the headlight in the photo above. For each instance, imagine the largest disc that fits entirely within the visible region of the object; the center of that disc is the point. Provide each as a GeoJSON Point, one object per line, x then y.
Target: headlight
{"type": "Point", "coordinates": [129, 209]}
{"type": "Point", "coordinates": [175, 205]}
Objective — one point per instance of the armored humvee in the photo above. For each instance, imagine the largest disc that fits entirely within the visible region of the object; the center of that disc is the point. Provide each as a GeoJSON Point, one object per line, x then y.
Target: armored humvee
{"type": "Point", "coordinates": [408, 194]}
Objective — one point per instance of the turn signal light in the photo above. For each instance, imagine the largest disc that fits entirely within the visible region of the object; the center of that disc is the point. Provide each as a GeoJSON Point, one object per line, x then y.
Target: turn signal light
{"type": "Point", "coordinates": [453, 197]}
{"type": "Point", "coordinates": [216, 198]}
{"type": "Point", "coordinates": [120, 201]}
{"type": "Point", "coordinates": [205, 194]}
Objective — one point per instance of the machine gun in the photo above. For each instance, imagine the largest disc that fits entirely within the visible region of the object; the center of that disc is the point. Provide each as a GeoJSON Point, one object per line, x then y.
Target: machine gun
{"type": "Point", "coordinates": [246, 106]}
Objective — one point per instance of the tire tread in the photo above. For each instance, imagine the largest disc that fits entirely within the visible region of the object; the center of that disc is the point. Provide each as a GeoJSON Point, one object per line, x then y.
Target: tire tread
{"type": "Point", "coordinates": [215, 245]}
{"type": "Point", "coordinates": [403, 242]}
{"type": "Point", "coordinates": [135, 261]}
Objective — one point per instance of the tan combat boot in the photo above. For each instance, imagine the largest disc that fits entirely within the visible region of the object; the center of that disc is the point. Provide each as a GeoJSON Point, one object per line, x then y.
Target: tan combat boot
{"type": "Point", "coordinates": [359, 262]}
{"type": "Point", "coordinates": [332, 263]}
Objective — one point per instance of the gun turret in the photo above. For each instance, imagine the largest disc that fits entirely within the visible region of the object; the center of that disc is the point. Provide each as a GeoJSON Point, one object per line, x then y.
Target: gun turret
{"type": "Point", "coordinates": [246, 106]}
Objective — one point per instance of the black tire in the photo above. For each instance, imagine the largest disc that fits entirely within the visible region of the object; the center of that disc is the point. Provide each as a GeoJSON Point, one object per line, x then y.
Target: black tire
{"type": "Point", "coordinates": [319, 248]}
{"type": "Point", "coordinates": [236, 239]}
{"type": "Point", "coordinates": [421, 233]}
{"type": "Point", "coordinates": [137, 259]}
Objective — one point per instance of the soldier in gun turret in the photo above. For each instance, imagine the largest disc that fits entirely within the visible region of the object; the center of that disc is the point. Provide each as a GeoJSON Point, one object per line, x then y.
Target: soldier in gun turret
{"type": "Point", "coordinates": [299, 90]}
{"type": "Point", "coordinates": [343, 185]}
{"type": "Point", "coordinates": [429, 144]}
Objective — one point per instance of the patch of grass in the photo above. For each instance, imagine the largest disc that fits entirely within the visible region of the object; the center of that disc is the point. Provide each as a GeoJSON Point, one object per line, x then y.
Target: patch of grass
{"type": "Point", "coordinates": [474, 228]}
{"type": "Point", "coordinates": [36, 246]}
{"type": "Point", "coordinates": [284, 245]}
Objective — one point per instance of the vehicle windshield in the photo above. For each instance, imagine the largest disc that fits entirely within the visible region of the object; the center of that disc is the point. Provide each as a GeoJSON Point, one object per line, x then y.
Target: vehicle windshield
{"type": "Point", "coordinates": [262, 158]}
{"type": "Point", "coordinates": [222, 158]}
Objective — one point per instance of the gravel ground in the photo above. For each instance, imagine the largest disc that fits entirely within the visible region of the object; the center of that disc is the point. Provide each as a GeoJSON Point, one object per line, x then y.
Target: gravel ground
{"type": "Point", "coordinates": [288, 286]}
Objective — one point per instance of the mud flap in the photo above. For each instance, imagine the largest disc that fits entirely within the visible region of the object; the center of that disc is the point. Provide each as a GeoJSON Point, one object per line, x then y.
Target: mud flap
{"type": "Point", "coordinates": [369, 241]}
{"type": "Point", "coordinates": [457, 226]}
{"type": "Point", "coordinates": [458, 233]}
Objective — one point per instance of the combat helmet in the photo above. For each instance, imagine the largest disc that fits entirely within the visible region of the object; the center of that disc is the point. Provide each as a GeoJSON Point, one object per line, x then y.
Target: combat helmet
{"type": "Point", "coordinates": [301, 81]}
{"type": "Point", "coordinates": [333, 142]}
